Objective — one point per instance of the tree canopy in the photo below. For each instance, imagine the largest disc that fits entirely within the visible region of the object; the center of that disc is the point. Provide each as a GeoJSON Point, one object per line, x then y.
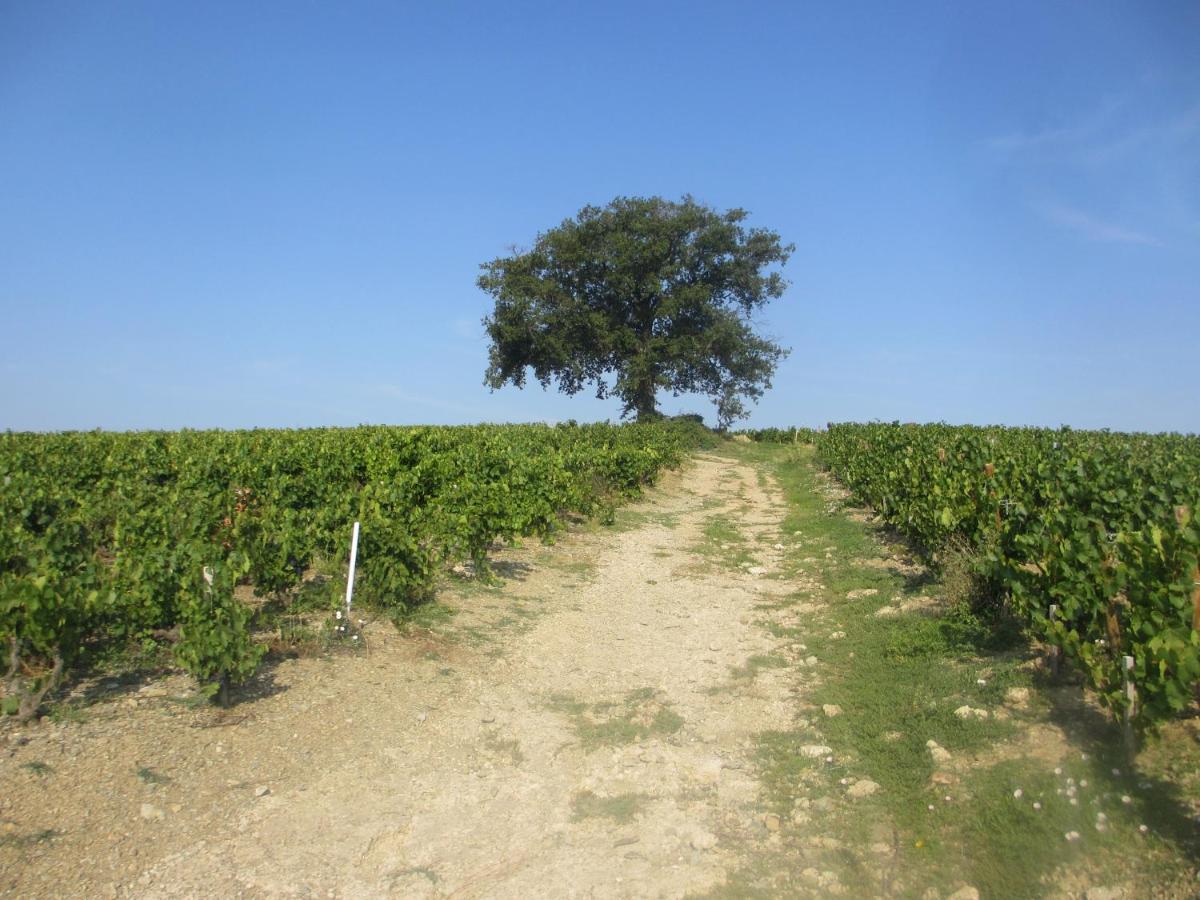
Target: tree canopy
{"type": "Point", "coordinates": [641, 295]}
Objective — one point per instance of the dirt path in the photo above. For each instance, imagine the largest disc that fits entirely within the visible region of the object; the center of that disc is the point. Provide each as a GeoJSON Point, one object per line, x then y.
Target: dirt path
{"type": "Point", "coordinates": [590, 729]}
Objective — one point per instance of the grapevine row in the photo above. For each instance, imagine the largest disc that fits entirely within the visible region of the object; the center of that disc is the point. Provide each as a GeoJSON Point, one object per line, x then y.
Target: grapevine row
{"type": "Point", "coordinates": [1092, 537]}
{"type": "Point", "coordinates": [110, 537]}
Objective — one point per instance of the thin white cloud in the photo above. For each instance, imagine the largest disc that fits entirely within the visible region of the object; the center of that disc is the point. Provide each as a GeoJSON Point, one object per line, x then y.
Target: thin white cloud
{"type": "Point", "coordinates": [1067, 135]}
{"type": "Point", "coordinates": [1092, 228]}
{"type": "Point", "coordinates": [1115, 129]}
{"type": "Point", "coordinates": [1172, 132]}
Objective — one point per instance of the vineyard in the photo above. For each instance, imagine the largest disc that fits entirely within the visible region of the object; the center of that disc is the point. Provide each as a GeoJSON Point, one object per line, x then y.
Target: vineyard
{"type": "Point", "coordinates": [111, 538]}
{"type": "Point", "coordinates": [1090, 537]}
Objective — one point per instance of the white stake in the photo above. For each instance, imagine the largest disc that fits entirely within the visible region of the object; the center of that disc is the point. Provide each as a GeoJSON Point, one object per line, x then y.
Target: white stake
{"type": "Point", "coordinates": [1131, 710]}
{"type": "Point", "coordinates": [1055, 652]}
{"type": "Point", "coordinates": [350, 576]}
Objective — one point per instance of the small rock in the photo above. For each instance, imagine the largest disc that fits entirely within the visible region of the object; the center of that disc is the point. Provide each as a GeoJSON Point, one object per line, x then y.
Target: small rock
{"type": "Point", "coordinates": [626, 841]}
{"type": "Point", "coordinates": [771, 821]}
{"type": "Point", "coordinates": [837, 635]}
{"type": "Point", "coordinates": [939, 753]}
{"type": "Point", "coordinates": [262, 791]}
{"type": "Point", "coordinates": [831, 710]}
{"type": "Point", "coordinates": [757, 570]}
{"type": "Point", "coordinates": [861, 593]}
{"type": "Point", "coordinates": [1017, 696]}
{"type": "Point", "coordinates": [714, 647]}
{"type": "Point", "coordinates": [811, 660]}
{"type": "Point", "coordinates": [703, 840]}
{"type": "Point", "coordinates": [968, 712]}
{"type": "Point", "coordinates": [152, 813]}
{"type": "Point", "coordinates": [779, 546]}
{"type": "Point", "coordinates": [966, 892]}
{"type": "Point", "coordinates": [487, 718]}
{"type": "Point", "coordinates": [709, 771]}
{"type": "Point", "coordinates": [862, 788]}
{"type": "Point", "coordinates": [815, 751]}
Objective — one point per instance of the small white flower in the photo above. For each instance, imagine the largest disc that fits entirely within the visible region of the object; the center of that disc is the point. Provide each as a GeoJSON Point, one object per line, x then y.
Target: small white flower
{"type": "Point", "coordinates": [1101, 817]}
{"type": "Point", "coordinates": [829, 759]}
{"type": "Point", "coordinates": [355, 638]}
{"type": "Point", "coordinates": [1072, 835]}
{"type": "Point", "coordinates": [1037, 805]}
{"type": "Point", "coordinates": [1083, 756]}
{"type": "Point", "coordinates": [947, 798]}
{"type": "Point", "coordinates": [1017, 793]}
{"type": "Point", "coordinates": [1074, 802]}
{"type": "Point", "coordinates": [1071, 781]}
{"type": "Point", "coordinates": [931, 807]}
{"type": "Point", "coordinates": [1083, 782]}
{"type": "Point", "coordinates": [1126, 799]}
{"type": "Point", "coordinates": [1116, 771]}
{"type": "Point", "coordinates": [1058, 770]}
{"type": "Point", "coordinates": [1143, 829]}
{"type": "Point", "coordinates": [981, 681]}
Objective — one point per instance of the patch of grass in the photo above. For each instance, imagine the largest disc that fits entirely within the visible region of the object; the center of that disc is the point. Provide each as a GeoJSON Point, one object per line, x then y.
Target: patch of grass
{"type": "Point", "coordinates": [898, 681]}
{"type": "Point", "coordinates": [781, 631]}
{"type": "Point", "coordinates": [723, 544]}
{"type": "Point", "coordinates": [582, 569]}
{"type": "Point", "coordinates": [621, 808]}
{"type": "Point", "coordinates": [629, 518]}
{"type": "Point", "coordinates": [423, 871]}
{"type": "Point", "coordinates": [20, 841]}
{"type": "Point", "coordinates": [147, 775]}
{"type": "Point", "coordinates": [38, 768]}
{"type": "Point", "coordinates": [430, 616]}
{"type": "Point", "coordinates": [755, 664]}
{"type": "Point", "coordinates": [509, 747]}
{"type": "Point", "coordinates": [640, 715]}
{"type": "Point", "coordinates": [65, 712]}
{"type": "Point", "coordinates": [784, 770]}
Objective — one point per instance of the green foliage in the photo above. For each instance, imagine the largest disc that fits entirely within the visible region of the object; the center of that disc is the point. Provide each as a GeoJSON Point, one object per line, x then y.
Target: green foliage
{"type": "Point", "coordinates": [780, 435]}
{"type": "Point", "coordinates": [215, 643]}
{"type": "Point", "coordinates": [1099, 525]}
{"type": "Point", "coordinates": [104, 537]}
{"type": "Point", "coordinates": [656, 293]}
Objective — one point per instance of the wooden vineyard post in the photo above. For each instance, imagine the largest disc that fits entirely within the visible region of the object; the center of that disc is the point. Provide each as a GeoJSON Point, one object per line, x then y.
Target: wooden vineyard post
{"type": "Point", "coordinates": [223, 685]}
{"type": "Point", "coordinates": [1055, 651]}
{"type": "Point", "coordinates": [1131, 708]}
{"type": "Point", "coordinates": [1196, 598]}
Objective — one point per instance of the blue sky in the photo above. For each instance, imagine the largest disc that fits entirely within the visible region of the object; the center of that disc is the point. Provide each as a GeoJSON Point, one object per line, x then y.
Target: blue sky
{"type": "Point", "coordinates": [232, 214]}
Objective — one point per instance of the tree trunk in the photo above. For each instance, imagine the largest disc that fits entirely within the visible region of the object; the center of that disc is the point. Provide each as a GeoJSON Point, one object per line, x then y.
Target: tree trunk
{"type": "Point", "coordinates": [643, 401]}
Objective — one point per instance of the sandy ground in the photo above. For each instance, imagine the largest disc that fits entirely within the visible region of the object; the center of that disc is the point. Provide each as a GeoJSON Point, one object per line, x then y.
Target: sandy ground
{"type": "Point", "coordinates": [578, 732]}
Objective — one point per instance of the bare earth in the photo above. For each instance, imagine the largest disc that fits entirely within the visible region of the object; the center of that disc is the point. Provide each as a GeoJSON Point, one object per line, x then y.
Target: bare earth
{"type": "Point", "coordinates": [582, 731]}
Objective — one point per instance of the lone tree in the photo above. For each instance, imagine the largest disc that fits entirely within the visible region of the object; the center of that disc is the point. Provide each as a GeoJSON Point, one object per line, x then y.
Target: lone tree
{"type": "Point", "coordinates": [656, 293]}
